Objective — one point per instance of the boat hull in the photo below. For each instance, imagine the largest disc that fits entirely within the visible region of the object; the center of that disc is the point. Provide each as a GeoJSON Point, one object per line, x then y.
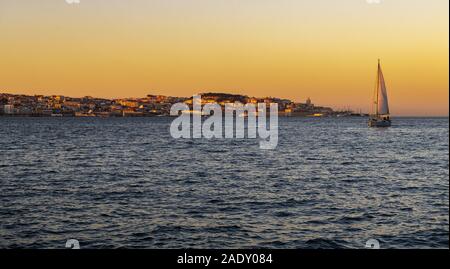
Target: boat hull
{"type": "Point", "coordinates": [378, 123]}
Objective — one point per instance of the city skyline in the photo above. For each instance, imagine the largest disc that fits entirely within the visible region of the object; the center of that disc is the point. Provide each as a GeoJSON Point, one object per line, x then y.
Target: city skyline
{"type": "Point", "coordinates": [323, 49]}
{"type": "Point", "coordinates": [148, 106]}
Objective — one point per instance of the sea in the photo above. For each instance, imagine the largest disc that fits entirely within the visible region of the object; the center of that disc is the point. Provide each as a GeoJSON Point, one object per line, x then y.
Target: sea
{"type": "Point", "coordinates": [331, 183]}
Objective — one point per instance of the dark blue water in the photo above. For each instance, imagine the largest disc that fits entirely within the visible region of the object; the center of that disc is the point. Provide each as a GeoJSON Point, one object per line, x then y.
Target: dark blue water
{"type": "Point", "coordinates": [124, 182]}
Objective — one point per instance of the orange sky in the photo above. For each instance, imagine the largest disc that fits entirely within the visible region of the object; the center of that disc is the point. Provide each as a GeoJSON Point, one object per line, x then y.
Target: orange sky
{"type": "Point", "coordinates": [323, 49]}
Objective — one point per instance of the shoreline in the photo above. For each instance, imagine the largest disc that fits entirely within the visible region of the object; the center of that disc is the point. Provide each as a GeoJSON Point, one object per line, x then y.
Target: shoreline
{"type": "Point", "coordinates": [168, 116]}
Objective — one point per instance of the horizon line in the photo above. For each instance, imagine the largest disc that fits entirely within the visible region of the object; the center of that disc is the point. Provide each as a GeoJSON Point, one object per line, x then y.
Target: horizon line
{"type": "Point", "coordinates": [131, 97]}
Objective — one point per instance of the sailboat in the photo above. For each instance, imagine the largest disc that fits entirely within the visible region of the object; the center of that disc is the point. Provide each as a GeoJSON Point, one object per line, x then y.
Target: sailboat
{"type": "Point", "coordinates": [381, 115]}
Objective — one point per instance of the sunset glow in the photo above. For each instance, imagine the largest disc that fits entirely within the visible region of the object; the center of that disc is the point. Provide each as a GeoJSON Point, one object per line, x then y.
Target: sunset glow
{"type": "Point", "coordinates": [323, 49]}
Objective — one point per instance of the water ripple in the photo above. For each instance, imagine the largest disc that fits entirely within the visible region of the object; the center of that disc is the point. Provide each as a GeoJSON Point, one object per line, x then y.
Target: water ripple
{"type": "Point", "coordinates": [125, 183]}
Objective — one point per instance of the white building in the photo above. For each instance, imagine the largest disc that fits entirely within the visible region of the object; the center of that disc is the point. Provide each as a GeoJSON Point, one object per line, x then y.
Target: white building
{"type": "Point", "coordinates": [8, 109]}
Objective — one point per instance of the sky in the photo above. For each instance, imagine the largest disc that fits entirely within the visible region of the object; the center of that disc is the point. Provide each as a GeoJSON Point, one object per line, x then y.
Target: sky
{"type": "Point", "coordinates": [323, 49]}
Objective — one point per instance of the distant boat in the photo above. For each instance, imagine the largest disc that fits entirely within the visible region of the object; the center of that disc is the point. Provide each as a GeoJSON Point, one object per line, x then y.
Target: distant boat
{"type": "Point", "coordinates": [381, 116]}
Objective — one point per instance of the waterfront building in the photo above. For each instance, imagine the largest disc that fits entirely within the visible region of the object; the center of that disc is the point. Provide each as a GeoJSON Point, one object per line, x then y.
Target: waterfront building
{"type": "Point", "coordinates": [8, 109]}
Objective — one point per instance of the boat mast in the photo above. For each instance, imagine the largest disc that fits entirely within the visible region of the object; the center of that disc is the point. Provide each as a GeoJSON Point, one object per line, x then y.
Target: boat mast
{"type": "Point", "coordinates": [378, 88]}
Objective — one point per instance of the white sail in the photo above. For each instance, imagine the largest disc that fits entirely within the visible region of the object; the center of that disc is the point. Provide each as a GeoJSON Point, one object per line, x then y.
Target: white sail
{"type": "Point", "coordinates": [382, 98]}
{"type": "Point", "coordinates": [381, 117]}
